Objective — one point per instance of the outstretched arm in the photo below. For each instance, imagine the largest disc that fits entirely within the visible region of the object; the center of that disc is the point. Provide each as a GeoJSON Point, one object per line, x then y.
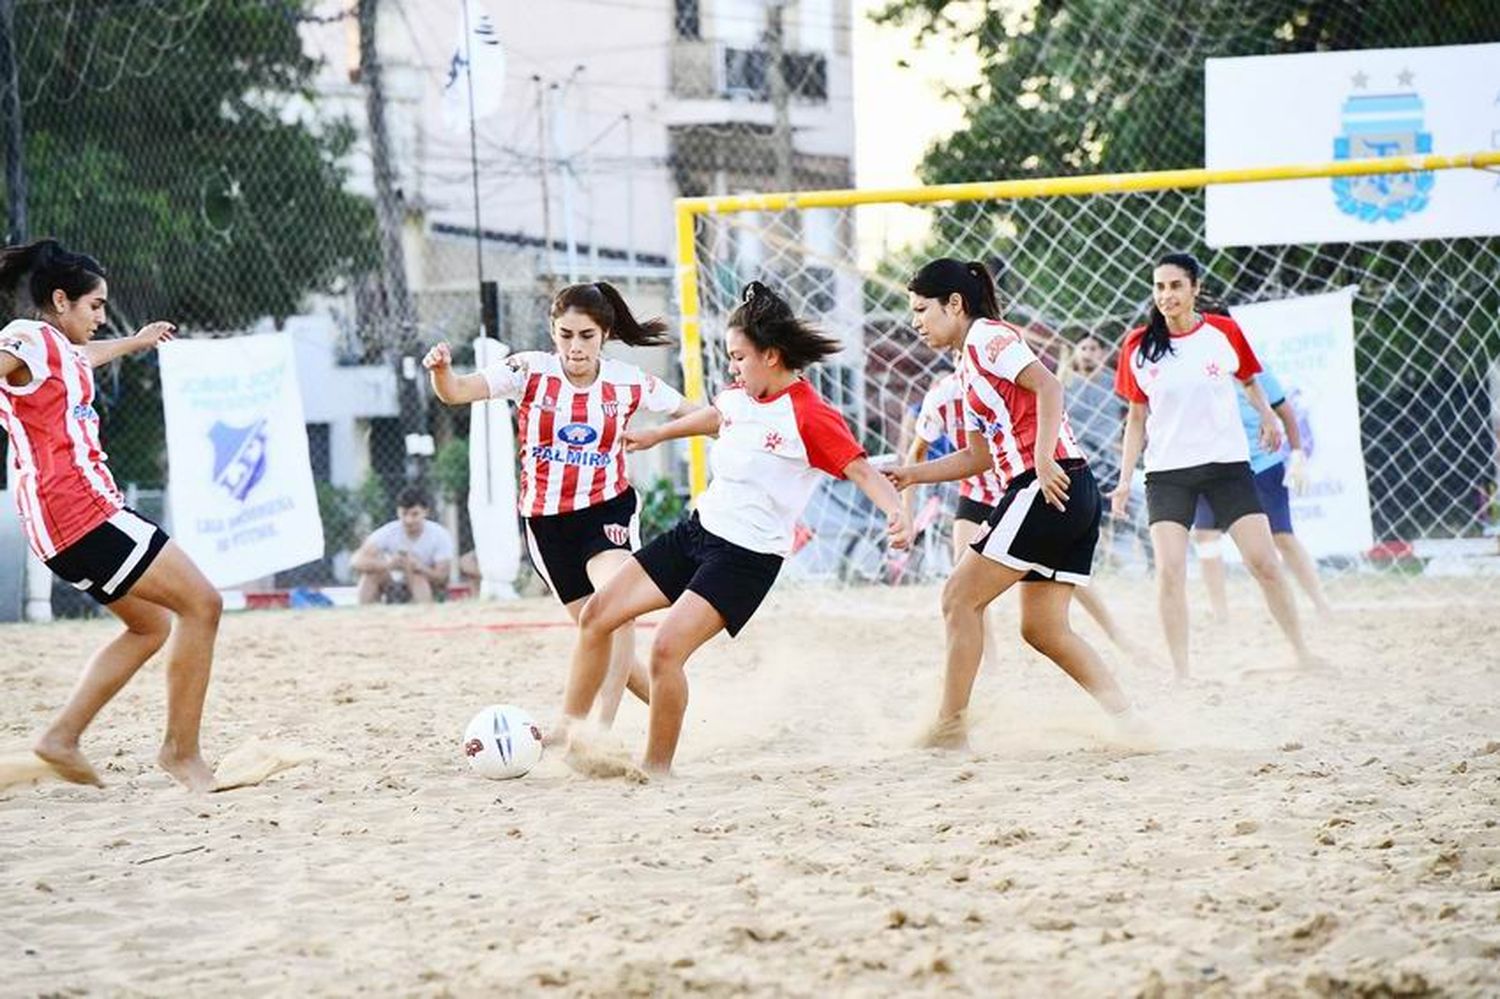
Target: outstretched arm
{"type": "Point", "coordinates": [148, 337]}
{"type": "Point", "coordinates": [703, 421]}
{"type": "Point", "coordinates": [449, 386]}
{"type": "Point", "coordinates": [972, 460]}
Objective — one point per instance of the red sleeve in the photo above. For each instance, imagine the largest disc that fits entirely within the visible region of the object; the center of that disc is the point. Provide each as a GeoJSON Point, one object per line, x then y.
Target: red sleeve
{"type": "Point", "coordinates": [1125, 384]}
{"type": "Point", "coordinates": [830, 445]}
{"type": "Point", "coordinates": [1249, 363]}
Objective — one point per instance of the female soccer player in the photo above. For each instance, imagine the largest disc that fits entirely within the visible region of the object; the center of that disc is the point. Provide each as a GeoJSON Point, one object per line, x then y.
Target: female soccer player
{"type": "Point", "coordinates": [776, 439]}
{"type": "Point", "coordinates": [1178, 372]}
{"type": "Point", "coordinates": [1043, 530]}
{"type": "Point", "coordinates": [572, 408]}
{"type": "Point", "coordinates": [75, 517]}
{"type": "Point", "coordinates": [1273, 475]}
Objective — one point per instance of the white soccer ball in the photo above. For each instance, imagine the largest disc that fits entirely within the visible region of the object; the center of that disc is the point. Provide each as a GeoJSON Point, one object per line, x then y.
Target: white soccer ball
{"type": "Point", "coordinates": [502, 742]}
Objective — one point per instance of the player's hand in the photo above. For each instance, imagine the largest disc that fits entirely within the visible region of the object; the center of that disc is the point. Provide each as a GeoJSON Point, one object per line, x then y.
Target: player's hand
{"type": "Point", "coordinates": [1270, 435]}
{"type": "Point", "coordinates": [1053, 480]}
{"type": "Point", "coordinates": [641, 440]}
{"type": "Point", "coordinates": [153, 335]}
{"type": "Point", "coordinates": [898, 530]}
{"type": "Point", "coordinates": [439, 357]}
{"type": "Point", "coordinates": [1119, 498]}
{"type": "Point", "coordinates": [1296, 472]}
{"type": "Point", "coordinates": [901, 476]}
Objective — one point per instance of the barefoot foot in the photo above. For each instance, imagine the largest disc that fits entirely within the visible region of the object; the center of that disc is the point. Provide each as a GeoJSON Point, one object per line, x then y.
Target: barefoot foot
{"type": "Point", "coordinates": [66, 760]}
{"type": "Point", "coordinates": [946, 733]}
{"type": "Point", "coordinates": [188, 769]}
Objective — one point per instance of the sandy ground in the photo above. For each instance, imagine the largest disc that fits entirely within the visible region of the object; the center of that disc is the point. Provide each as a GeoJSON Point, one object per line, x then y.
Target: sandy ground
{"type": "Point", "coordinates": [1332, 835]}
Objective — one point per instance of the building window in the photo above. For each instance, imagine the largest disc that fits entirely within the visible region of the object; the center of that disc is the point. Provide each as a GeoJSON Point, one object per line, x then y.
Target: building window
{"type": "Point", "coordinates": [688, 20]}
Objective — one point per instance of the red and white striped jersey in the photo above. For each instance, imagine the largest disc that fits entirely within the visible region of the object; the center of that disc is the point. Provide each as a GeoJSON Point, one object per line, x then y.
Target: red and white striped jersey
{"type": "Point", "coordinates": [571, 439]}
{"type": "Point", "coordinates": [63, 489]}
{"type": "Point", "coordinates": [995, 353]}
{"type": "Point", "coordinates": [769, 458]}
{"type": "Point", "coordinates": [942, 415]}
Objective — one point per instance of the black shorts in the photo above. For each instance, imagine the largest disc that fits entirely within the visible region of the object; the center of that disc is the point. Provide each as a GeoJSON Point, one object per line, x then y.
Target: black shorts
{"type": "Point", "coordinates": [562, 544]}
{"type": "Point", "coordinates": [1229, 489]}
{"type": "Point", "coordinates": [1270, 486]}
{"type": "Point", "coordinates": [973, 511]}
{"type": "Point", "coordinates": [734, 580]}
{"type": "Point", "coordinates": [1027, 533]}
{"type": "Point", "coordinates": [106, 562]}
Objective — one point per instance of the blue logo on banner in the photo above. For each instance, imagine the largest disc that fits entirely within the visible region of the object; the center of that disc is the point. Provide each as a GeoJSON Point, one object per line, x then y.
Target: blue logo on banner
{"type": "Point", "coordinates": [239, 457]}
{"type": "Point", "coordinates": [1382, 125]}
{"type": "Point", "coordinates": [577, 434]}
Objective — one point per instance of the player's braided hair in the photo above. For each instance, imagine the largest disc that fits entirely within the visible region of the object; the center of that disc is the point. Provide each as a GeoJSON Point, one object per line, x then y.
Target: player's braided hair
{"type": "Point", "coordinates": [46, 267]}
{"type": "Point", "coordinates": [767, 321]}
{"type": "Point", "coordinates": [969, 281]}
{"type": "Point", "coordinates": [601, 302]}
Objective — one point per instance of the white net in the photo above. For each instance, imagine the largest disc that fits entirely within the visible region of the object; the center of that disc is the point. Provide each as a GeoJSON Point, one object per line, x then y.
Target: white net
{"type": "Point", "coordinates": [1069, 267]}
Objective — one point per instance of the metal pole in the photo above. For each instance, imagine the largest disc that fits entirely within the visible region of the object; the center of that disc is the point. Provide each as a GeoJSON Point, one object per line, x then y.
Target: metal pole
{"type": "Point", "coordinates": [630, 259]}
{"type": "Point", "coordinates": [474, 167]}
{"type": "Point", "coordinates": [541, 152]}
{"type": "Point", "coordinates": [781, 115]}
{"type": "Point", "coordinates": [10, 107]}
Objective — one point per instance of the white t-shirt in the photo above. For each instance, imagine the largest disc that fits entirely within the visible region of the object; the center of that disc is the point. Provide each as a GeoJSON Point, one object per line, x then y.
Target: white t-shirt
{"type": "Point", "coordinates": [767, 461]}
{"type": "Point", "coordinates": [942, 415]}
{"type": "Point", "coordinates": [1193, 416]}
{"type": "Point", "coordinates": [571, 439]}
{"type": "Point", "coordinates": [427, 549]}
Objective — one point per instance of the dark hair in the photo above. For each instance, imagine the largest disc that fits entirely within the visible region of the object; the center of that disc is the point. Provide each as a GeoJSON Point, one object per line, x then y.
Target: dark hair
{"type": "Point", "coordinates": [605, 306]}
{"type": "Point", "coordinates": [767, 321]}
{"type": "Point", "coordinates": [411, 496]}
{"type": "Point", "coordinates": [1156, 343]}
{"type": "Point", "coordinates": [970, 281]}
{"type": "Point", "coordinates": [47, 267]}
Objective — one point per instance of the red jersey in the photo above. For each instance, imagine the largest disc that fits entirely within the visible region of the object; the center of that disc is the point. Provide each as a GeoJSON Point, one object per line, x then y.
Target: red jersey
{"type": "Point", "coordinates": [995, 353]}
{"type": "Point", "coordinates": [571, 439]}
{"type": "Point", "coordinates": [63, 489]}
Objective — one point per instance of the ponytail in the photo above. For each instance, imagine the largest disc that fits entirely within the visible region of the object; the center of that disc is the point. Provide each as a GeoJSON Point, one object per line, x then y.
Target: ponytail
{"type": "Point", "coordinates": [604, 304]}
{"type": "Point", "coordinates": [767, 321]}
{"type": "Point", "coordinates": [970, 281]}
{"type": "Point", "coordinates": [1156, 342]}
{"type": "Point", "coordinates": [46, 267]}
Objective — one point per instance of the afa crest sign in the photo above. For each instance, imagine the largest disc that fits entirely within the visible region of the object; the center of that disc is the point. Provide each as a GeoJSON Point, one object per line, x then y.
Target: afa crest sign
{"type": "Point", "coordinates": [1382, 125]}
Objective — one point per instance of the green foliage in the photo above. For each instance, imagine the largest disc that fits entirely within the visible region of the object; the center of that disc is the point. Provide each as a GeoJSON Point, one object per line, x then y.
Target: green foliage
{"type": "Point", "coordinates": [661, 508]}
{"type": "Point", "coordinates": [450, 470]}
{"type": "Point", "coordinates": [339, 509]}
{"type": "Point", "coordinates": [374, 501]}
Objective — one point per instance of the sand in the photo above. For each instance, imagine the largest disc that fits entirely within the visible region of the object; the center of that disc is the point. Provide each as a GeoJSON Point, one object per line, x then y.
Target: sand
{"type": "Point", "coordinates": [1334, 835]}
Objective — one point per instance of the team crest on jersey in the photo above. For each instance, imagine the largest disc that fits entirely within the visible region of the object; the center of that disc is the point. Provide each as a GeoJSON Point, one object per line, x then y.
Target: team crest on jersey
{"type": "Point", "coordinates": [998, 343]}
{"type": "Point", "coordinates": [577, 434]}
{"type": "Point", "coordinates": [239, 456]}
{"type": "Point", "coordinates": [1213, 370]}
{"type": "Point", "coordinates": [611, 408]}
{"type": "Point", "coordinates": [618, 534]}
{"type": "Point", "coordinates": [773, 441]}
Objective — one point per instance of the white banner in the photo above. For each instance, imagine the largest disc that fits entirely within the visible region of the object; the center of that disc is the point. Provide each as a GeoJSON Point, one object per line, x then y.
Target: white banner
{"type": "Point", "coordinates": [241, 486]}
{"type": "Point", "coordinates": [492, 485]}
{"type": "Point", "coordinates": [478, 64]}
{"type": "Point", "coordinates": [1320, 106]}
{"type": "Point", "coordinates": [1308, 343]}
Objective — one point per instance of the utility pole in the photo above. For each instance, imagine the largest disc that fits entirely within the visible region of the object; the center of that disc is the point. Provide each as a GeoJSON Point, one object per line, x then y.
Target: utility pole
{"type": "Point", "coordinates": [398, 318]}
{"type": "Point", "coordinates": [545, 163]}
{"type": "Point", "coordinates": [781, 115]}
{"type": "Point", "coordinates": [630, 261]}
{"type": "Point", "coordinates": [10, 108]}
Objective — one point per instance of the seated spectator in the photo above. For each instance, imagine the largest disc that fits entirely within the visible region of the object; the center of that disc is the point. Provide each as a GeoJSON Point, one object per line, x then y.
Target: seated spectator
{"type": "Point", "coordinates": [406, 559]}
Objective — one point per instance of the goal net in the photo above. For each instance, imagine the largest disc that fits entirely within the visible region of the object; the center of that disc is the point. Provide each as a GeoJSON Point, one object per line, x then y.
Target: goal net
{"type": "Point", "coordinates": [1398, 415]}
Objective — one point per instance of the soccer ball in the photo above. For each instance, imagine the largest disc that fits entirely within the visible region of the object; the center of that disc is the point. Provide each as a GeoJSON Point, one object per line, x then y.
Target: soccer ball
{"type": "Point", "coordinates": [502, 742]}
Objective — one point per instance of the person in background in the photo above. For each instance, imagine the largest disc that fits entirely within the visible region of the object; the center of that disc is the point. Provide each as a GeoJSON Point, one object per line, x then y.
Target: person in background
{"type": "Point", "coordinates": [409, 557]}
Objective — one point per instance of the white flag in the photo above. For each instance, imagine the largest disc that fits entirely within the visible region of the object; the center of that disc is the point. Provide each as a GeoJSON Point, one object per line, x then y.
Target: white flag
{"type": "Point", "coordinates": [477, 62]}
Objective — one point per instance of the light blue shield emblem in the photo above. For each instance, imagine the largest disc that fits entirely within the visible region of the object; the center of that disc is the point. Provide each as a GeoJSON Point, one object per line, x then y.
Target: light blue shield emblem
{"type": "Point", "coordinates": [239, 457]}
{"type": "Point", "coordinates": [1382, 125]}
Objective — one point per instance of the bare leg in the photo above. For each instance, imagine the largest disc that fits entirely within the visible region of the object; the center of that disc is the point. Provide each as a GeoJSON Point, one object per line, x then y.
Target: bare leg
{"type": "Point", "coordinates": [370, 585]}
{"type": "Point", "coordinates": [974, 585]}
{"type": "Point", "coordinates": [963, 536]}
{"type": "Point", "coordinates": [420, 588]}
{"type": "Point", "coordinates": [1044, 626]}
{"type": "Point", "coordinates": [628, 594]}
{"type": "Point", "coordinates": [691, 622]}
{"type": "Point", "coordinates": [1304, 569]}
{"type": "Point", "coordinates": [174, 582]}
{"type": "Point", "coordinates": [1170, 541]}
{"type": "Point", "coordinates": [108, 670]}
{"type": "Point", "coordinates": [1211, 563]}
{"type": "Point", "coordinates": [623, 668]}
{"type": "Point", "coordinates": [1252, 533]}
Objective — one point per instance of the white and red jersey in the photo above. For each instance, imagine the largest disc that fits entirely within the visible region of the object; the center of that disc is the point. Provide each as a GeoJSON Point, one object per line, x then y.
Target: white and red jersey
{"type": "Point", "coordinates": [63, 489]}
{"type": "Point", "coordinates": [995, 352]}
{"type": "Point", "coordinates": [1193, 414]}
{"type": "Point", "coordinates": [571, 439]}
{"type": "Point", "coordinates": [942, 415]}
{"type": "Point", "coordinates": [767, 461]}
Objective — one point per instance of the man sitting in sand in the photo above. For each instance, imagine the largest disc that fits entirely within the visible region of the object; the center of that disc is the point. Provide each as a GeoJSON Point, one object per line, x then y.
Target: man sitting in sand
{"type": "Point", "coordinates": [406, 558]}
